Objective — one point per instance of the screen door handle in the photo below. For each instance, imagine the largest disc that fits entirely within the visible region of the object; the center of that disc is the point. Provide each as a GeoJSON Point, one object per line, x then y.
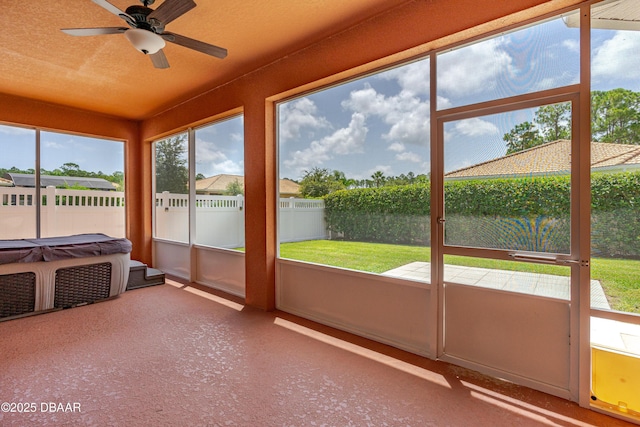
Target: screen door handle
{"type": "Point", "coordinates": [537, 258]}
{"type": "Point", "coordinates": [548, 259]}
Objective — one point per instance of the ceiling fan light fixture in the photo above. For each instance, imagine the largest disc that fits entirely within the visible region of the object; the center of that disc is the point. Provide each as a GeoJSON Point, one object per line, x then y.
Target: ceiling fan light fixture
{"type": "Point", "coordinates": [145, 41]}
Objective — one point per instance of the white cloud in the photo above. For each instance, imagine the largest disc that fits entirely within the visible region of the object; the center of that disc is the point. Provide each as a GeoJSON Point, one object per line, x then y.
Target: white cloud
{"type": "Point", "coordinates": [572, 45]}
{"type": "Point", "coordinates": [564, 78]}
{"type": "Point", "coordinates": [474, 69]}
{"type": "Point", "coordinates": [476, 127]}
{"type": "Point", "coordinates": [53, 145]}
{"type": "Point", "coordinates": [412, 127]}
{"type": "Point", "coordinates": [396, 146]}
{"type": "Point", "coordinates": [213, 161]}
{"type": "Point", "coordinates": [413, 77]}
{"type": "Point", "coordinates": [343, 141]}
{"type": "Point", "coordinates": [366, 101]}
{"type": "Point", "coordinates": [407, 114]}
{"type": "Point", "coordinates": [228, 167]}
{"type": "Point", "coordinates": [237, 137]}
{"type": "Point", "coordinates": [208, 152]}
{"type": "Point", "coordinates": [618, 56]}
{"type": "Point", "coordinates": [409, 156]}
{"type": "Point", "coordinates": [77, 144]}
{"type": "Point", "coordinates": [443, 102]}
{"type": "Point", "coordinates": [297, 116]}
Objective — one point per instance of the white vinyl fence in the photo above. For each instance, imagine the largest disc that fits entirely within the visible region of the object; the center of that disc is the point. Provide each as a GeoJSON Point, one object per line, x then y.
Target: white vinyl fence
{"type": "Point", "coordinates": [63, 212]}
{"type": "Point", "coordinates": [302, 219]}
{"type": "Point", "coordinates": [220, 219]}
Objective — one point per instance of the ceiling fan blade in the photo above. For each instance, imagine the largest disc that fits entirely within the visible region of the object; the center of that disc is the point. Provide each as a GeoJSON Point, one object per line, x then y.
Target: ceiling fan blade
{"type": "Point", "coordinates": [171, 9]}
{"type": "Point", "coordinates": [159, 59]}
{"type": "Point", "coordinates": [203, 47]}
{"type": "Point", "coordinates": [93, 31]}
{"type": "Point", "coordinates": [111, 8]}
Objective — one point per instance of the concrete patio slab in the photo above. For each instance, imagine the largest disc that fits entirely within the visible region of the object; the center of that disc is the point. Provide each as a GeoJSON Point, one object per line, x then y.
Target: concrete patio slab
{"type": "Point", "coordinates": [606, 333]}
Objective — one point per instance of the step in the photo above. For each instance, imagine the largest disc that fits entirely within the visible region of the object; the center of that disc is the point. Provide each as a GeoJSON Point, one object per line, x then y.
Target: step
{"type": "Point", "coordinates": [141, 276]}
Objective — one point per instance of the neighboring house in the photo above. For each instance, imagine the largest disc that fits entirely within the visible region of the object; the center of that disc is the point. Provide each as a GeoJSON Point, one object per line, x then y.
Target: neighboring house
{"type": "Point", "coordinates": [218, 184]}
{"type": "Point", "coordinates": [28, 180]}
{"type": "Point", "coordinates": [552, 158]}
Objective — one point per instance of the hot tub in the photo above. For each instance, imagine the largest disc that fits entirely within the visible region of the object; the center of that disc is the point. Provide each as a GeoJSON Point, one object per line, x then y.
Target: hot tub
{"type": "Point", "coordinates": [38, 275]}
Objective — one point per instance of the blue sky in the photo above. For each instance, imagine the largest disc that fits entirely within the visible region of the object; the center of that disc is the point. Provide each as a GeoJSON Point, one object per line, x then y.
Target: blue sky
{"type": "Point", "coordinates": [220, 148]}
{"type": "Point", "coordinates": [381, 122]}
{"type": "Point", "coordinates": [90, 154]}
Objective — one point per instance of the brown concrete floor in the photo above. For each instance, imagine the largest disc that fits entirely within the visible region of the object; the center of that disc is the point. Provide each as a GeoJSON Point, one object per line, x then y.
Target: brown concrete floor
{"type": "Point", "coordinates": [164, 356]}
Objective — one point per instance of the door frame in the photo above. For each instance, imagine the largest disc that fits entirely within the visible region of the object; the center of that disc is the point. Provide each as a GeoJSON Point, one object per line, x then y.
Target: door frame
{"type": "Point", "coordinates": [578, 258]}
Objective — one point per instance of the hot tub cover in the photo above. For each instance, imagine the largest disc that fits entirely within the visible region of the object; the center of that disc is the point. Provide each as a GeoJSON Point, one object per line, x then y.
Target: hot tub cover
{"type": "Point", "coordinates": [57, 248]}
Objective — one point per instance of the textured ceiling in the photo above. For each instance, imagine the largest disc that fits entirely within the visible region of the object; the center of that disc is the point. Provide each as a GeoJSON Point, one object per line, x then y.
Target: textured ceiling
{"type": "Point", "coordinates": [106, 74]}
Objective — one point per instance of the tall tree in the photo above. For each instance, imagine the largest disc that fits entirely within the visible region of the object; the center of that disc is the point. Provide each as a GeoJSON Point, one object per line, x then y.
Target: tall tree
{"type": "Point", "coordinates": [234, 189]}
{"type": "Point", "coordinates": [616, 116]}
{"type": "Point", "coordinates": [378, 179]}
{"type": "Point", "coordinates": [341, 177]}
{"type": "Point", "coordinates": [71, 169]}
{"type": "Point", "coordinates": [521, 137]}
{"type": "Point", "coordinates": [319, 182]}
{"type": "Point", "coordinates": [172, 174]}
{"type": "Point", "coordinates": [554, 121]}
{"type": "Point", "coordinates": [118, 178]}
{"type": "Point", "coordinates": [422, 179]}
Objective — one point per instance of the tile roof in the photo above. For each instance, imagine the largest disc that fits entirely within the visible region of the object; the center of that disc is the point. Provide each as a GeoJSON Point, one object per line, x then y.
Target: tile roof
{"type": "Point", "coordinates": [552, 157]}
{"type": "Point", "coordinates": [218, 184]}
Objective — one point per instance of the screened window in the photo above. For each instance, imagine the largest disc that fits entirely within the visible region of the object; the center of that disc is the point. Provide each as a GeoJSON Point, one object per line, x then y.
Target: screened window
{"type": "Point", "coordinates": [538, 57]}
{"type": "Point", "coordinates": [354, 174]}
{"type": "Point", "coordinates": [172, 188]}
{"type": "Point", "coordinates": [220, 184]}
{"type": "Point", "coordinates": [615, 167]}
{"type": "Point", "coordinates": [17, 204]}
{"type": "Point", "coordinates": [507, 180]}
{"type": "Point", "coordinates": [615, 217]}
{"type": "Point", "coordinates": [82, 182]}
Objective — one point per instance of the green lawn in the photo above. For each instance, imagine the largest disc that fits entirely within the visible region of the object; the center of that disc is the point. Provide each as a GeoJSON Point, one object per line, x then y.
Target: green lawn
{"type": "Point", "coordinates": [620, 278]}
{"type": "Point", "coordinates": [371, 257]}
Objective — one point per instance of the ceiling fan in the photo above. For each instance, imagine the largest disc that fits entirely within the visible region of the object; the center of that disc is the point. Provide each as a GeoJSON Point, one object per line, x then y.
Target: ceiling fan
{"type": "Point", "coordinates": [146, 32]}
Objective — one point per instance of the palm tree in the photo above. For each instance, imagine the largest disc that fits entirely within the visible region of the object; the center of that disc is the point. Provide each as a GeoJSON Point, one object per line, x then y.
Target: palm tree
{"type": "Point", "coordinates": [378, 178]}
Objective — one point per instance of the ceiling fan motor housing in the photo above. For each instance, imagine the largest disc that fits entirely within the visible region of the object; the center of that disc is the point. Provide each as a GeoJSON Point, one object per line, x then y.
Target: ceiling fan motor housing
{"type": "Point", "coordinates": [140, 14]}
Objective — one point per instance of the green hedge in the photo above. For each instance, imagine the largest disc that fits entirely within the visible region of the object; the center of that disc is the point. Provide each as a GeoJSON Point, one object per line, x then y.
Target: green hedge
{"type": "Point", "coordinates": [528, 214]}
{"type": "Point", "coordinates": [519, 213]}
{"type": "Point", "coordinates": [615, 211]}
{"type": "Point", "coordinates": [386, 214]}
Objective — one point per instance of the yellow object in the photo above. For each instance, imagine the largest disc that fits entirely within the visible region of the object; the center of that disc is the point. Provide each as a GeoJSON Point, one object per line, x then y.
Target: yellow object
{"type": "Point", "coordinates": [615, 380]}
